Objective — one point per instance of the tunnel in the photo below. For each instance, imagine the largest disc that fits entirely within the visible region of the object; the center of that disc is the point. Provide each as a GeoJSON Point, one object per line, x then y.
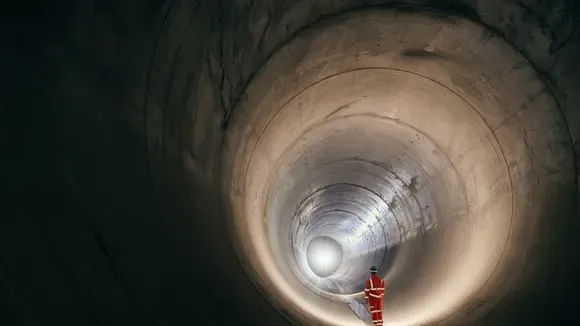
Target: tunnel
{"type": "Point", "coordinates": [246, 162]}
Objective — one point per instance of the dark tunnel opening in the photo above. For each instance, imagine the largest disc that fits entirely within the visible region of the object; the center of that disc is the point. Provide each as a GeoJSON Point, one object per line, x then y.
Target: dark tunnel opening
{"type": "Point", "coordinates": [246, 162]}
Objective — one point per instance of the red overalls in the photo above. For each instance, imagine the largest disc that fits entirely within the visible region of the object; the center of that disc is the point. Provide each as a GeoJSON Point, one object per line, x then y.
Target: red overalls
{"type": "Point", "coordinates": [374, 292]}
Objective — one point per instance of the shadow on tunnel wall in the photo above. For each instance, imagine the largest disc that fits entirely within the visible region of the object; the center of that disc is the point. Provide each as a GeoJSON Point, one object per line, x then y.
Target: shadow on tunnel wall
{"type": "Point", "coordinates": [111, 134]}
{"type": "Point", "coordinates": [100, 224]}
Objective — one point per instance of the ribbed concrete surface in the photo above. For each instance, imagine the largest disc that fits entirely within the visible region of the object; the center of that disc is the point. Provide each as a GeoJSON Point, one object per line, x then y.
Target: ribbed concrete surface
{"type": "Point", "coordinates": [122, 120]}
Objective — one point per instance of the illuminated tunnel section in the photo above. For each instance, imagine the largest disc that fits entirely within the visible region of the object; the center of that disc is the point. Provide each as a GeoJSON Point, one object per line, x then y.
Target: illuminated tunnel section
{"type": "Point", "coordinates": [246, 162]}
{"type": "Point", "coordinates": [324, 256]}
{"type": "Point", "coordinates": [413, 154]}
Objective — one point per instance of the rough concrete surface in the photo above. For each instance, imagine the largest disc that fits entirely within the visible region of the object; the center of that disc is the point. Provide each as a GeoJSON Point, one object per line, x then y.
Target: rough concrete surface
{"type": "Point", "coordinates": [167, 162]}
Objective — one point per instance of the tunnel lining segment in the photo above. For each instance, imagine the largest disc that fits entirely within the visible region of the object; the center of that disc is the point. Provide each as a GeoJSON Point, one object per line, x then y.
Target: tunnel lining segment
{"type": "Point", "coordinates": [366, 62]}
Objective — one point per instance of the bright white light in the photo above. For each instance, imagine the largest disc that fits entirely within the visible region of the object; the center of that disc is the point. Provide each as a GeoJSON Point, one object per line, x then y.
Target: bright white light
{"type": "Point", "coordinates": [324, 256]}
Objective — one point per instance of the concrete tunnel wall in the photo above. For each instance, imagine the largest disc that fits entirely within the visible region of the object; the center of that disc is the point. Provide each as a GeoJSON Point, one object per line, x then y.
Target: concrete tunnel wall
{"type": "Point", "coordinates": [114, 121]}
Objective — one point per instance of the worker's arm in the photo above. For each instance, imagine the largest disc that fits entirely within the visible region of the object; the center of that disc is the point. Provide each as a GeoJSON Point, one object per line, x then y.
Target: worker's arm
{"type": "Point", "coordinates": [367, 291]}
{"type": "Point", "coordinates": [383, 288]}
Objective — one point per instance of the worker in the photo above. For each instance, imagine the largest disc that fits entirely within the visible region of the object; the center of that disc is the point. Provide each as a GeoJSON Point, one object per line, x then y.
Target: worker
{"type": "Point", "coordinates": [374, 292]}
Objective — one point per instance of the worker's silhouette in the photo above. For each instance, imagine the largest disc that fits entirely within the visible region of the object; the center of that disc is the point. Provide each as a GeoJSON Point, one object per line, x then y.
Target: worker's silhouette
{"type": "Point", "coordinates": [374, 292]}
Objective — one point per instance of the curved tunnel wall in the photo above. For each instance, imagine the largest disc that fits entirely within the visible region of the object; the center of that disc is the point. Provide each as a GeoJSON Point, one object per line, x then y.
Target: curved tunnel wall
{"type": "Point", "coordinates": [362, 89]}
{"type": "Point", "coordinates": [112, 184]}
